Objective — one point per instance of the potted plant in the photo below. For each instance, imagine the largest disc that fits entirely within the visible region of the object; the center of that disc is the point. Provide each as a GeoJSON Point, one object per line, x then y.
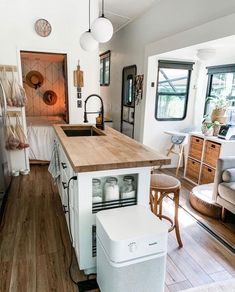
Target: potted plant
{"type": "Point", "coordinates": [221, 104]}
{"type": "Point", "coordinates": [207, 127]}
{"type": "Point", "coordinates": [216, 128]}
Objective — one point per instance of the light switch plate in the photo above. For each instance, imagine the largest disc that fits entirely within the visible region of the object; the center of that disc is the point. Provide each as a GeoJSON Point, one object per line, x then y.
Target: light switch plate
{"type": "Point", "coordinates": [79, 103]}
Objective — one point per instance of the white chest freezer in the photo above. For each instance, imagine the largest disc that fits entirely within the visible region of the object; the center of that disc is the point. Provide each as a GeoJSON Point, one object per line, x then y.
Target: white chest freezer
{"type": "Point", "coordinates": [131, 250]}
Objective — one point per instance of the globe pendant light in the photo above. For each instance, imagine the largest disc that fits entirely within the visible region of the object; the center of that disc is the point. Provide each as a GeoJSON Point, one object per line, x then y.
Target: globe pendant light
{"type": "Point", "coordinates": [87, 42]}
{"type": "Point", "coordinates": [102, 28]}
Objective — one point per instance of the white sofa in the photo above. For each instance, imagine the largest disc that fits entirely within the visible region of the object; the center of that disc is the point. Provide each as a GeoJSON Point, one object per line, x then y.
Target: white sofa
{"type": "Point", "coordinates": [224, 184]}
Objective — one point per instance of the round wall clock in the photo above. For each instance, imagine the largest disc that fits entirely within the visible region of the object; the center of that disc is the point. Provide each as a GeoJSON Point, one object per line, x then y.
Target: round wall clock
{"type": "Point", "coordinates": [43, 27]}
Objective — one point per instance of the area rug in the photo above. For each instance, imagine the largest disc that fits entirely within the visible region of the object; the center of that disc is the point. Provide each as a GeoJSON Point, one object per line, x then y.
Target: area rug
{"type": "Point", "coordinates": [222, 231]}
{"type": "Point", "coordinates": [224, 286]}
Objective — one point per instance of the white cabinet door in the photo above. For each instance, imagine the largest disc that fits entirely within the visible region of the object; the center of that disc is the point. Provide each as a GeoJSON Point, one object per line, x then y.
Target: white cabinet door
{"type": "Point", "coordinates": [65, 165]}
{"type": "Point", "coordinates": [68, 194]}
{"type": "Point", "coordinates": [69, 201]}
{"type": "Point", "coordinates": [76, 233]}
{"type": "Point", "coordinates": [60, 189]}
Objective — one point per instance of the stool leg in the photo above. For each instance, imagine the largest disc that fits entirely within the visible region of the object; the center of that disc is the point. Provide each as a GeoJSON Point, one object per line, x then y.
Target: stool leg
{"type": "Point", "coordinates": [177, 231]}
{"type": "Point", "coordinates": [168, 153]}
{"type": "Point", "coordinates": [161, 196]}
{"type": "Point", "coordinates": [151, 200]}
{"type": "Point", "coordinates": [183, 158]}
{"type": "Point", "coordinates": [155, 200]}
{"type": "Point", "coordinates": [223, 214]}
{"type": "Point", "coordinates": [181, 149]}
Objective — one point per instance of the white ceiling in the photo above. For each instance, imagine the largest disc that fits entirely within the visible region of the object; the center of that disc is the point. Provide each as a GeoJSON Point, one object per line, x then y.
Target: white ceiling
{"type": "Point", "coordinates": [120, 13]}
{"type": "Point", "coordinates": [223, 47]}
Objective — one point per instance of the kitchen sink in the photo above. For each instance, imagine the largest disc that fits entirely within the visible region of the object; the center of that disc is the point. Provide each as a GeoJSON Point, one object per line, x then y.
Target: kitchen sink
{"type": "Point", "coordinates": [80, 131]}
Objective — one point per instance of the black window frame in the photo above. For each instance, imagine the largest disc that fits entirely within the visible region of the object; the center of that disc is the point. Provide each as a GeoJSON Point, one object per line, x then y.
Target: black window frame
{"type": "Point", "coordinates": [174, 65]}
{"type": "Point", "coordinates": [103, 58]}
{"type": "Point", "coordinates": [211, 70]}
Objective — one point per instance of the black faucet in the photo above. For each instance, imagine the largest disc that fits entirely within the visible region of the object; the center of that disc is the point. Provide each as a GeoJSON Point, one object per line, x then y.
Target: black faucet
{"type": "Point", "coordinates": [101, 126]}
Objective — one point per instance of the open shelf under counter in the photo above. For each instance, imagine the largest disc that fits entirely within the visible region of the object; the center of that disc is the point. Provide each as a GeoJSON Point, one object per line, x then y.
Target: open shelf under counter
{"type": "Point", "coordinates": [204, 152]}
{"type": "Point", "coordinates": [84, 206]}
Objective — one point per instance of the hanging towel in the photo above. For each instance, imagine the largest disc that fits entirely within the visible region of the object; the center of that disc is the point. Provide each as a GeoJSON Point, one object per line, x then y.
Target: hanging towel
{"type": "Point", "coordinates": [54, 166]}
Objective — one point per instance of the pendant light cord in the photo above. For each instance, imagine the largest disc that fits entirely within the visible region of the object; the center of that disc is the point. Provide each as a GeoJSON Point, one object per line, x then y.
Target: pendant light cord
{"type": "Point", "coordinates": [89, 15]}
{"type": "Point", "coordinates": [102, 8]}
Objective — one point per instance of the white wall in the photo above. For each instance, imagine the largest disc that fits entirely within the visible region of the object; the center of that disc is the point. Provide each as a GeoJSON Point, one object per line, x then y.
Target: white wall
{"type": "Point", "coordinates": [154, 130]}
{"type": "Point", "coordinates": [69, 20]}
{"type": "Point", "coordinates": [213, 30]}
{"type": "Point", "coordinates": [154, 135]}
{"type": "Point", "coordinates": [167, 26]}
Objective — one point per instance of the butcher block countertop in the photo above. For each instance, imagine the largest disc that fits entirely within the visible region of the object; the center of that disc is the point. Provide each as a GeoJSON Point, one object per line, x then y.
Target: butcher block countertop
{"type": "Point", "coordinates": [111, 150]}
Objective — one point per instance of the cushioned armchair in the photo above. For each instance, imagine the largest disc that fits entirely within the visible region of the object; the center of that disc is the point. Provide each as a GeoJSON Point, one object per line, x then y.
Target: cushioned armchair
{"type": "Point", "coordinates": [224, 185]}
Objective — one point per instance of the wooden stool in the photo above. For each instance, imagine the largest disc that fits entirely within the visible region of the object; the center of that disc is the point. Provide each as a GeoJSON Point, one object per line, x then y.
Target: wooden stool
{"type": "Point", "coordinates": [161, 186]}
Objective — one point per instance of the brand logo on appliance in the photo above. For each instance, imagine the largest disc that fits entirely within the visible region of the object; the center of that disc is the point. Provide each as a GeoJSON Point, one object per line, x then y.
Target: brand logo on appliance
{"type": "Point", "coordinates": [152, 243]}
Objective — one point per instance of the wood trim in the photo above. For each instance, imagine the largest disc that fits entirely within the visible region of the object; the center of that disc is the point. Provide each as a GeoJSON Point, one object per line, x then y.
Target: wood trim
{"type": "Point", "coordinates": [8, 68]}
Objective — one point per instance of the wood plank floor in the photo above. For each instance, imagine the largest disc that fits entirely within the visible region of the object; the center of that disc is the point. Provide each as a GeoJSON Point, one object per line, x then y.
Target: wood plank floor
{"type": "Point", "coordinates": [35, 248]}
{"type": "Point", "coordinates": [225, 230]}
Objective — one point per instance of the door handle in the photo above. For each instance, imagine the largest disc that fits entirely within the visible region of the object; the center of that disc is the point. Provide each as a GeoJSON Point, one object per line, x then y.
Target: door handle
{"type": "Point", "coordinates": [65, 209]}
{"type": "Point", "coordinates": [64, 165]}
{"type": "Point", "coordinates": [65, 186]}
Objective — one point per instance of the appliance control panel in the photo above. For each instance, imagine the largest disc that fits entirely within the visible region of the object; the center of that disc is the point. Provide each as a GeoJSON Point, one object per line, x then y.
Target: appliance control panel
{"type": "Point", "coordinates": [132, 247]}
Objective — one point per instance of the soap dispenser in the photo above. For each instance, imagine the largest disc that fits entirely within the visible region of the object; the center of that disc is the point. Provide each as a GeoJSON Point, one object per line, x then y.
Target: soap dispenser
{"type": "Point", "coordinates": [99, 121]}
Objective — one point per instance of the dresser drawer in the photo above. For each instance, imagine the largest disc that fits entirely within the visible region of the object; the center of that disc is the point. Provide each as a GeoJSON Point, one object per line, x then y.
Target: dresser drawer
{"type": "Point", "coordinates": [207, 175]}
{"type": "Point", "coordinates": [196, 145]}
{"type": "Point", "coordinates": [211, 153]}
{"type": "Point", "coordinates": [193, 170]}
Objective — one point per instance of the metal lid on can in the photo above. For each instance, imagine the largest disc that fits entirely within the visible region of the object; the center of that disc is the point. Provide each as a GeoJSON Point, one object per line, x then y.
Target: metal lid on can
{"type": "Point", "coordinates": [128, 178]}
{"type": "Point", "coordinates": [96, 182]}
{"type": "Point", "coordinates": [111, 179]}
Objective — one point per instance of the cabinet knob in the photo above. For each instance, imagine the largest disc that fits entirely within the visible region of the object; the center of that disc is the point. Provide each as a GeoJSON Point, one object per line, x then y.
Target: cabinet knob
{"type": "Point", "coordinates": [64, 185]}
{"type": "Point", "coordinates": [64, 165]}
{"type": "Point", "coordinates": [132, 247]}
{"type": "Point", "coordinates": [65, 209]}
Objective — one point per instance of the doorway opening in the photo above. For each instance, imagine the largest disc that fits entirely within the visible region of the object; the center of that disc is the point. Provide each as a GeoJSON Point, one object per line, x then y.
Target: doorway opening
{"type": "Point", "coordinates": [45, 82]}
{"type": "Point", "coordinates": [128, 100]}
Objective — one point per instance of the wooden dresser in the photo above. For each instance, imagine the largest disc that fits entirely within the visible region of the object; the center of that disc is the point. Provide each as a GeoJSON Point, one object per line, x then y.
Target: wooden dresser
{"type": "Point", "coordinates": [203, 154]}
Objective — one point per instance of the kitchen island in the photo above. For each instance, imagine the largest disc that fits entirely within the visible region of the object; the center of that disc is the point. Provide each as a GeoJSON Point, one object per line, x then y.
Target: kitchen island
{"type": "Point", "coordinates": [88, 156]}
